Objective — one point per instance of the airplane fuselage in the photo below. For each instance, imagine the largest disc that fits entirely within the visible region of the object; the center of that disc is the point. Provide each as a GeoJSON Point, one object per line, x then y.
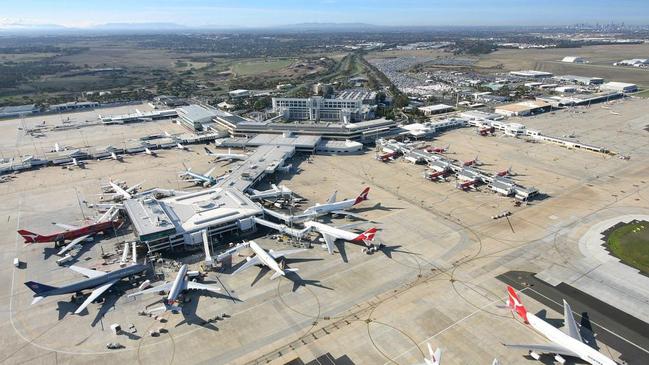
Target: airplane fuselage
{"type": "Point", "coordinates": [96, 281]}
{"type": "Point", "coordinates": [332, 231]}
{"type": "Point", "coordinates": [330, 207]}
{"type": "Point", "coordinates": [266, 259]}
{"type": "Point", "coordinates": [74, 233]}
{"type": "Point", "coordinates": [180, 284]}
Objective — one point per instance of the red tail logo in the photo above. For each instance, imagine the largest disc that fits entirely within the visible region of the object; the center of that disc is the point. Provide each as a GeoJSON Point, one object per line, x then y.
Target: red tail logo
{"type": "Point", "coordinates": [28, 236]}
{"type": "Point", "coordinates": [363, 196]}
{"type": "Point", "coordinates": [367, 235]}
{"type": "Point", "coordinates": [515, 303]}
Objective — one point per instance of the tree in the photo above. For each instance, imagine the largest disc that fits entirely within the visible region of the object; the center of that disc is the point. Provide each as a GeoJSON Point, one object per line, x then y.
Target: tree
{"type": "Point", "coordinates": [400, 101]}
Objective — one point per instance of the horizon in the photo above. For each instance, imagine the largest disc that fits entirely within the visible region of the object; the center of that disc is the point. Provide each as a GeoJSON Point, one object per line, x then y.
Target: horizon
{"type": "Point", "coordinates": [250, 14]}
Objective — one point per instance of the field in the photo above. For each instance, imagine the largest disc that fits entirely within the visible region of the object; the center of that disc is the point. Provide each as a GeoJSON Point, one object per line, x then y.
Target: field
{"type": "Point", "coordinates": [600, 59]}
{"type": "Point", "coordinates": [254, 67]}
{"type": "Point", "coordinates": [630, 243]}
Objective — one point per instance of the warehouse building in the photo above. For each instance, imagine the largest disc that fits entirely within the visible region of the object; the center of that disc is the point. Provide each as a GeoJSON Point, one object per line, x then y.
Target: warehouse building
{"type": "Point", "coordinates": [523, 108]}
{"type": "Point", "coordinates": [18, 111]}
{"type": "Point", "coordinates": [573, 59]}
{"type": "Point", "coordinates": [531, 74]}
{"type": "Point", "coordinates": [583, 80]}
{"type": "Point", "coordinates": [196, 117]}
{"type": "Point", "coordinates": [619, 87]}
{"type": "Point", "coordinates": [435, 109]}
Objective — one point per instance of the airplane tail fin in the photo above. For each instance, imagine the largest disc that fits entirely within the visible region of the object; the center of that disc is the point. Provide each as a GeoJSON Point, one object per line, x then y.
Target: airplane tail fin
{"type": "Point", "coordinates": [435, 356]}
{"type": "Point", "coordinates": [515, 304]}
{"type": "Point", "coordinates": [363, 196]}
{"type": "Point", "coordinates": [28, 236]}
{"type": "Point", "coordinates": [367, 235]}
{"type": "Point", "coordinates": [39, 288]}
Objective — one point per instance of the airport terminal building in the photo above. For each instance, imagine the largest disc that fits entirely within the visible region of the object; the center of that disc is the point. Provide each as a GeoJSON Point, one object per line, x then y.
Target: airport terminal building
{"type": "Point", "coordinates": [317, 109]}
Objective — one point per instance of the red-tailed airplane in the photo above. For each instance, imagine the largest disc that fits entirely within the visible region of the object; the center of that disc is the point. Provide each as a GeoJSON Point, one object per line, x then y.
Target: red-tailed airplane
{"type": "Point", "coordinates": [485, 131]}
{"type": "Point", "coordinates": [438, 149]}
{"type": "Point", "coordinates": [471, 162]}
{"type": "Point", "coordinates": [436, 175]}
{"type": "Point", "coordinates": [70, 232]}
{"type": "Point", "coordinates": [386, 157]}
{"type": "Point", "coordinates": [507, 172]}
{"type": "Point", "coordinates": [466, 185]}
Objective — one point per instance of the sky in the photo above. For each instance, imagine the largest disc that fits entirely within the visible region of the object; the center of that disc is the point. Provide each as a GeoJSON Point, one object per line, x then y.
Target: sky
{"type": "Point", "coordinates": [261, 13]}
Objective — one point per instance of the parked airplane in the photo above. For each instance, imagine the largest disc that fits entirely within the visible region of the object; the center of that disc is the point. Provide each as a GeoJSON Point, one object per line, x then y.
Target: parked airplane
{"type": "Point", "coordinates": [150, 152]}
{"type": "Point", "coordinates": [465, 185]}
{"type": "Point", "coordinates": [72, 232]}
{"type": "Point", "coordinates": [98, 280]}
{"type": "Point", "coordinates": [387, 157]}
{"type": "Point", "coordinates": [334, 207]}
{"type": "Point", "coordinates": [175, 288]}
{"type": "Point", "coordinates": [268, 259]}
{"type": "Point", "coordinates": [507, 172]}
{"type": "Point", "coordinates": [331, 234]}
{"type": "Point", "coordinates": [225, 156]}
{"type": "Point", "coordinates": [436, 175]}
{"type": "Point", "coordinates": [566, 344]}
{"type": "Point", "coordinates": [200, 179]}
{"type": "Point", "coordinates": [438, 149]}
{"type": "Point", "coordinates": [473, 162]}
{"type": "Point", "coordinates": [120, 193]}
{"type": "Point", "coordinates": [435, 357]}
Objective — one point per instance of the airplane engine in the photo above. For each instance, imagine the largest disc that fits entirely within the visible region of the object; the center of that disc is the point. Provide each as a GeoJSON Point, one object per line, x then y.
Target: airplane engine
{"type": "Point", "coordinates": [534, 355]}
{"type": "Point", "coordinates": [559, 359]}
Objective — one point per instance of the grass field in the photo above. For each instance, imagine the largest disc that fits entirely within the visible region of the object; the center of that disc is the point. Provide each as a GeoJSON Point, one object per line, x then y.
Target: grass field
{"type": "Point", "coordinates": [600, 60]}
{"type": "Point", "coordinates": [630, 243]}
{"type": "Point", "coordinates": [260, 66]}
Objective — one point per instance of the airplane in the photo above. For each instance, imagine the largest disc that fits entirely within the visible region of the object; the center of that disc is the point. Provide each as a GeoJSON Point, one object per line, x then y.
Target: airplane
{"type": "Point", "coordinates": [149, 152]}
{"type": "Point", "coordinates": [471, 162]}
{"type": "Point", "coordinates": [387, 157]}
{"type": "Point", "coordinates": [201, 179]}
{"type": "Point", "coordinates": [98, 280]}
{"type": "Point", "coordinates": [465, 185]}
{"type": "Point", "coordinates": [59, 148]}
{"type": "Point", "coordinates": [226, 156]}
{"type": "Point", "coordinates": [435, 356]}
{"type": "Point", "coordinates": [75, 162]}
{"type": "Point", "coordinates": [438, 149]}
{"type": "Point", "coordinates": [331, 234]}
{"type": "Point", "coordinates": [179, 285]}
{"type": "Point", "coordinates": [563, 344]}
{"type": "Point", "coordinates": [116, 157]}
{"type": "Point", "coordinates": [334, 207]}
{"type": "Point", "coordinates": [118, 193]}
{"type": "Point", "coordinates": [182, 147]}
{"type": "Point", "coordinates": [72, 232]}
{"type": "Point", "coordinates": [436, 175]}
{"type": "Point", "coordinates": [485, 131]}
{"type": "Point", "coordinates": [507, 172]}
{"type": "Point", "coordinates": [268, 259]}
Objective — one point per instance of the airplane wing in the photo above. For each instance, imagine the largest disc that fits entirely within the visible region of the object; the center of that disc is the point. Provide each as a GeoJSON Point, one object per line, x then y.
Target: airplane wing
{"type": "Point", "coordinates": [545, 348]}
{"type": "Point", "coordinates": [332, 198]}
{"type": "Point", "coordinates": [252, 262]}
{"type": "Point", "coordinates": [210, 171]}
{"type": "Point", "coordinates": [569, 322]}
{"type": "Point", "coordinates": [346, 213]}
{"type": "Point", "coordinates": [95, 294]}
{"type": "Point", "coordinates": [329, 240]}
{"type": "Point", "coordinates": [166, 286]}
{"type": "Point", "coordinates": [278, 254]}
{"type": "Point", "coordinates": [71, 245]}
{"type": "Point", "coordinates": [118, 189]}
{"type": "Point", "coordinates": [196, 286]}
{"type": "Point", "coordinates": [89, 273]}
{"type": "Point", "coordinates": [67, 227]}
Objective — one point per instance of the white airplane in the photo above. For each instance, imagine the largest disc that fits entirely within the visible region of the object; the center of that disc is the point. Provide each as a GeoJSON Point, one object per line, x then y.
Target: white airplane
{"type": "Point", "coordinates": [182, 147]}
{"type": "Point", "coordinates": [149, 152]}
{"type": "Point", "coordinates": [179, 285]}
{"type": "Point", "coordinates": [435, 356]}
{"type": "Point", "coordinates": [331, 234]}
{"type": "Point", "coordinates": [268, 259]}
{"type": "Point", "coordinates": [205, 179]}
{"type": "Point", "coordinates": [116, 157]}
{"type": "Point", "coordinates": [566, 344]}
{"type": "Point", "coordinates": [334, 207]}
{"type": "Point", "coordinates": [226, 156]}
{"type": "Point", "coordinates": [120, 193]}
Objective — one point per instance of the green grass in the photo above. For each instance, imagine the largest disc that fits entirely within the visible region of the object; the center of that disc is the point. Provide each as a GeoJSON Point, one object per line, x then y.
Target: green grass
{"type": "Point", "coordinates": [630, 243]}
{"type": "Point", "coordinates": [259, 66]}
{"type": "Point", "coordinates": [643, 93]}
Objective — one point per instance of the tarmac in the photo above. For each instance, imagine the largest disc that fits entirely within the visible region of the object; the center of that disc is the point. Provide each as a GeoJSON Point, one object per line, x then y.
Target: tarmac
{"type": "Point", "coordinates": [440, 286]}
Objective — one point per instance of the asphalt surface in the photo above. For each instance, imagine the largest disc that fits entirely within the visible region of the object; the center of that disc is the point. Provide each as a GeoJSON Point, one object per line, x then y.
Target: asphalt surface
{"type": "Point", "coordinates": [611, 326]}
